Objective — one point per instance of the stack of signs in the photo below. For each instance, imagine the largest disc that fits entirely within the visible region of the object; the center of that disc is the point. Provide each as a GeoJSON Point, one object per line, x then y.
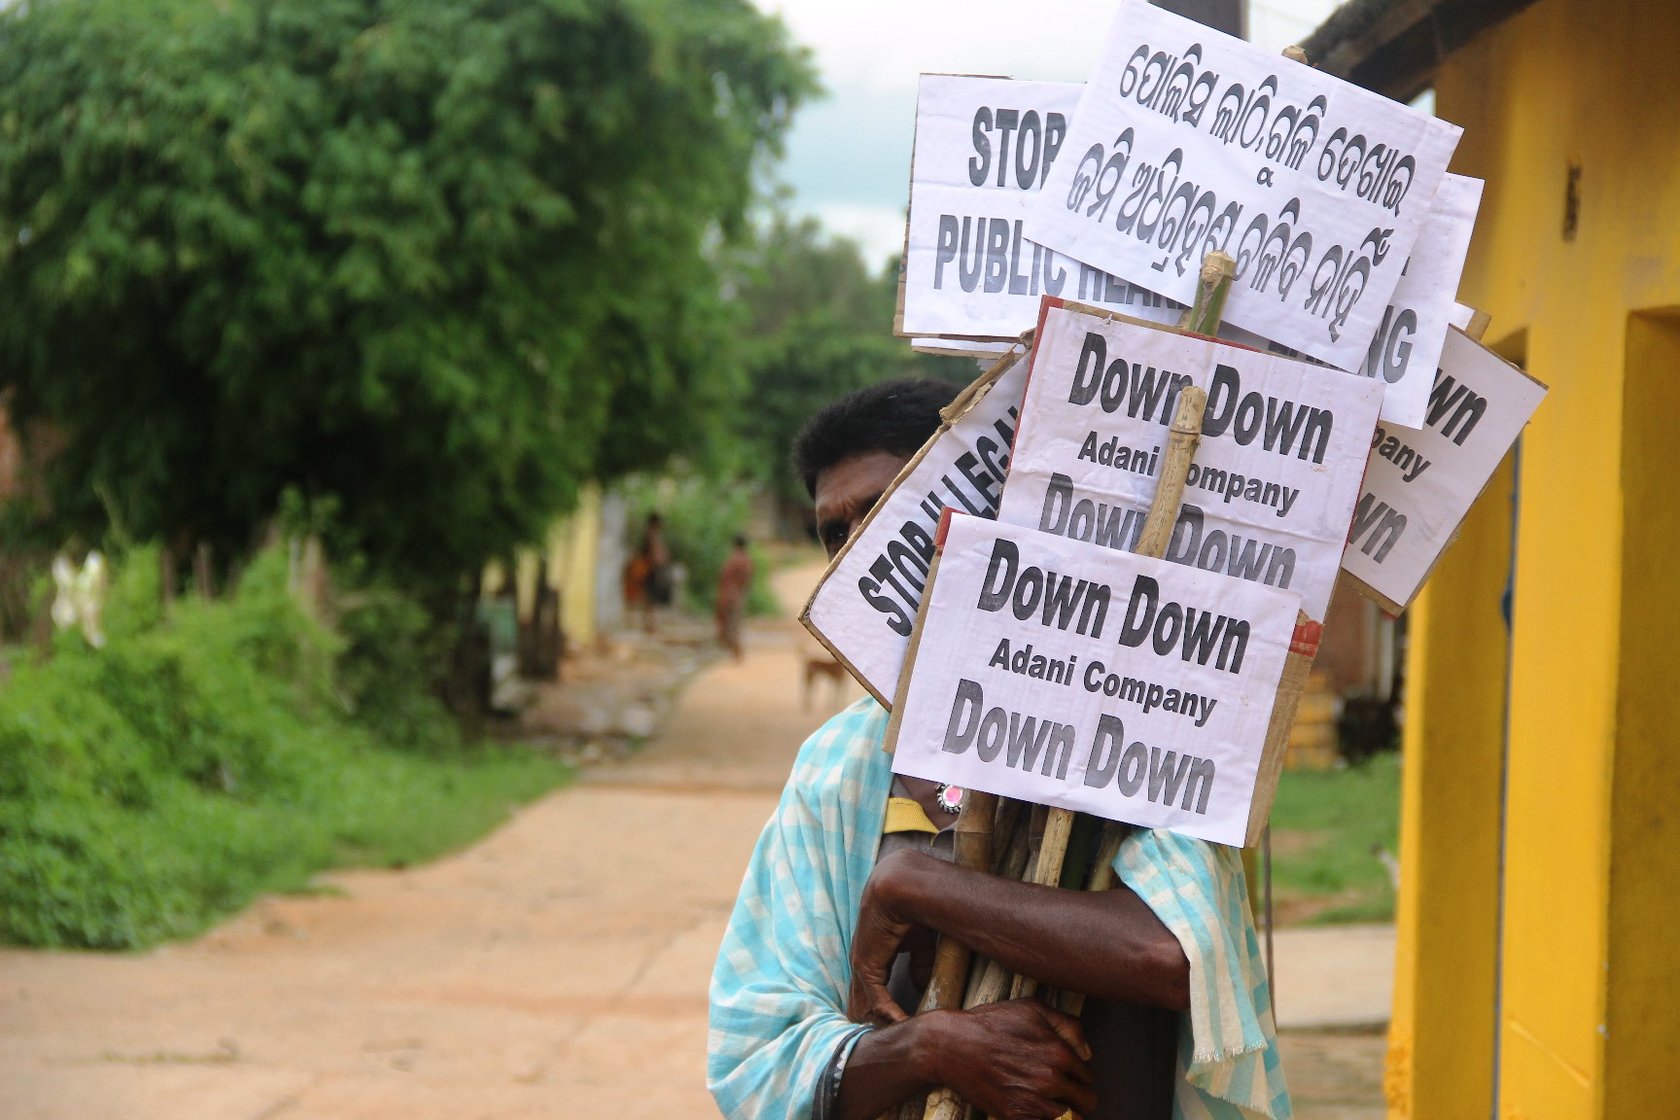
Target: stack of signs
{"type": "Point", "coordinates": [1275, 478]}
{"type": "Point", "coordinates": [1035, 656]}
{"type": "Point", "coordinates": [1022, 683]}
{"type": "Point", "coordinates": [1069, 675]}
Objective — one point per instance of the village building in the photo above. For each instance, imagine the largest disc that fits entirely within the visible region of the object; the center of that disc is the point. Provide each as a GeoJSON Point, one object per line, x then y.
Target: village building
{"type": "Point", "coordinates": [1539, 846]}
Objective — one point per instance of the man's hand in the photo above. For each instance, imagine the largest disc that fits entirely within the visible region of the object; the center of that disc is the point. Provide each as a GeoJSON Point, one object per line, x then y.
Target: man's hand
{"type": "Point", "coordinates": [1018, 1060]}
{"type": "Point", "coordinates": [881, 932]}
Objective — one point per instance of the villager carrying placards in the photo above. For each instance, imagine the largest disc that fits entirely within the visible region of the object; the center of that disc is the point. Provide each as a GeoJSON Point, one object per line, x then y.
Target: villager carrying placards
{"type": "Point", "coordinates": [1066, 674]}
{"type": "Point", "coordinates": [1187, 140]}
{"type": "Point", "coordinates": [1420, 482]}
{"type": "Point", "coordinates": [983, 149]}
{"type": "Point", "coordinates": [1274, 480]}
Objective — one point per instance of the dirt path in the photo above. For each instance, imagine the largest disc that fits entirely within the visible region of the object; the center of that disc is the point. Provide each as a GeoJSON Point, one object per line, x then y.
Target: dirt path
{"type": "Point", "coordinates": [556, 970]}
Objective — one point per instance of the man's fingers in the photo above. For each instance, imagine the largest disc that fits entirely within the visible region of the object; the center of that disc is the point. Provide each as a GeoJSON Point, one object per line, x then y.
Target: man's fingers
{"type": "Point", "coordinates": [1082, 1098]}
{"type": "Point", "coordinates": [1068, 1029]}
{"type": "Point", "coordinates": [871, 1002]}
{"type": "Point", "coordinates": [887, 1012]}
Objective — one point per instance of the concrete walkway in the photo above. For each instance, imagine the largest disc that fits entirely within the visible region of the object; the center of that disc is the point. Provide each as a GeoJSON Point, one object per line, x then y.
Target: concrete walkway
{"type": "Point", "coordinates": [556, 970]}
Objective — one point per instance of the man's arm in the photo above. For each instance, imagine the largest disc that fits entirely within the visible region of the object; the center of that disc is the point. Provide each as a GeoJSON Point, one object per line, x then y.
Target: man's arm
{"type": "Point", "coordinates": [1011, 1059]}
{"type": "Point", "coordinates": [1107, 944]}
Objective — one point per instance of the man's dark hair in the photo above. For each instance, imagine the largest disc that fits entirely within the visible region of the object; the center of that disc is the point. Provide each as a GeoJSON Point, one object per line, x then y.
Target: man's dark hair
{"type": "Point", "coordinates": [896, 416]}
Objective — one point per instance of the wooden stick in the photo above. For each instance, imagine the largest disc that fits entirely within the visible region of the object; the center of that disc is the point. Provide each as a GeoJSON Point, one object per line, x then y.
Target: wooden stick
{"type": "Point", "coordinates": [1182, 439]}
{"type": "Point", "coordinates": [972, 847]}
{"type": "Point", "coordinates": [1212, 286]}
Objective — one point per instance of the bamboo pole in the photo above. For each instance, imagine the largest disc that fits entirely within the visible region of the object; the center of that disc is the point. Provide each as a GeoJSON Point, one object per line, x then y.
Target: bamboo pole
{"type": "Point", "coordinates": [972, 847]}
{"type": "Point", "coordinates": [1213, 285]}
{"type": "Point", "coordinates": [982, 818]}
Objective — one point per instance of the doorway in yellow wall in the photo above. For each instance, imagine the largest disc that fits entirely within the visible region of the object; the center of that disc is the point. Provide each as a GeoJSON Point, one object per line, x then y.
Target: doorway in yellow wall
{"type": "Point", "coordinates": [1641, 1022]}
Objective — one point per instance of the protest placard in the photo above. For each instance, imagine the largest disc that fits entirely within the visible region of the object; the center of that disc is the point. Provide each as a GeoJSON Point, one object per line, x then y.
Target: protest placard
{"type": "Point", "coordinates": [1274, 480]}
{"type": "Point", "coordinates": [865, 606]}
{"type": "Point", "coordinates": [1188, 140]}
{"type": "Point", "coordinates": [1062, 673]}
{"type": "Point", "coordinates": [983, 149]}
{"type": "Point", "coordinates": [1414, 325]}
{"type": "Point", "coordinates": [1407, 346]}
{"type": "Point", "coordinates": [1420, 482]}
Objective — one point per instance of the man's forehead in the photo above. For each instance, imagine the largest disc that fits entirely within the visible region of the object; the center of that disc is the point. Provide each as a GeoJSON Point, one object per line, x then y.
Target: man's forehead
{"type": "Point", "coordinates": [859, 476]}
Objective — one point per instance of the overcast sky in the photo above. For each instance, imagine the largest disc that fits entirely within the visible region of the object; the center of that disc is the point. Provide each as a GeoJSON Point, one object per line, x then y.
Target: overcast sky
{"type": "Point", "coordinates": [848, 159]}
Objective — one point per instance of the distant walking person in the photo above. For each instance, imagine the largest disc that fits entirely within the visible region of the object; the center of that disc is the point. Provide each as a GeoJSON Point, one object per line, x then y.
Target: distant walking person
{"type": "Point", "coordinates": [648, 581]}
{"type": "Point", "coordinates": [733, 582]}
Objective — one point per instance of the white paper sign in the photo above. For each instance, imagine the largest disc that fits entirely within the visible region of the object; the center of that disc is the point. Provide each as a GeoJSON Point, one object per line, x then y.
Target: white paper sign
{"type": "Point", "coordinates": [1419, 483]}
{"type": "Point", "coordinates": [865, 607]}
{"type": "Point", "coordinates": [983, 149]}
{"type": "Point", "coordinates": [1414, 325]}
{"type": "Point", "coordinates": [1274, 479]}
{"type": "Point", "coordinates": [1064, 674]}
{"type": "Point", "coordinates": [1407, 346]}
{"type": "Point", "coordinates": [1187, 140]}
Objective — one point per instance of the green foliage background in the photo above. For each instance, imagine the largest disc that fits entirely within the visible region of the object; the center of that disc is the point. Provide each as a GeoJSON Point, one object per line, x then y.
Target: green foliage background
{"type": "Point", "coordinates": [818, 324]}
{"type": "Point", "coordinates": [440, 260]}
{"type": "Point", "coordinates": [202, 758]}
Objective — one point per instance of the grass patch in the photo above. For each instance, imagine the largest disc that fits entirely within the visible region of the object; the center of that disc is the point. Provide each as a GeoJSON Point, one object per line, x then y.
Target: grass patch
{"type": "Point", "coordinates": [1326, 827]}
{"type": "Point", "coordinates": [199, 760]}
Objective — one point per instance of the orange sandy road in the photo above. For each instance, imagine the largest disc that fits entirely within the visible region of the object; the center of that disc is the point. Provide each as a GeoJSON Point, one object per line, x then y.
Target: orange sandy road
{"type": "Point", "coordinates": [556, 970]}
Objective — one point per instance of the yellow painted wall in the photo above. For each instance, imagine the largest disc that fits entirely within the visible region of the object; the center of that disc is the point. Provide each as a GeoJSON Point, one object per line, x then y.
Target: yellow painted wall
{"type": "Point", "coordinates": [1588, 84]}
{"type": "Point", "coordinates": [1641, 1047]}
{"type": "Point", "coordinates": [573, 556]}
{"type": "Point", "coordinates": [574, 567]}
{"type": "Point", "coordinates": [1440, 1046]}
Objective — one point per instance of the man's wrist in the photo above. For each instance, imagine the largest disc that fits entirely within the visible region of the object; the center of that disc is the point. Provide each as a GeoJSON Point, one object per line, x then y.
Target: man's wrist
{"type": "Point", "coordinates": [905, 889]}
{"type": "Point", "coordinates": [930, 1045]}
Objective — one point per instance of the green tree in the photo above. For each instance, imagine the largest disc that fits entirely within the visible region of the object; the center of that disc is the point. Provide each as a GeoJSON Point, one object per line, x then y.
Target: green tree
{"type": "Point", "coordinates": [818, 325]}
{"type": "Point", "coordinates": [436, 260]}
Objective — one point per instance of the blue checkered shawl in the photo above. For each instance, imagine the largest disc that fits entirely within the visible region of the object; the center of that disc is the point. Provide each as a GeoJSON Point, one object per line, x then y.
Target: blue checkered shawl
{"type": "Point", "coordinates": [778, 990]}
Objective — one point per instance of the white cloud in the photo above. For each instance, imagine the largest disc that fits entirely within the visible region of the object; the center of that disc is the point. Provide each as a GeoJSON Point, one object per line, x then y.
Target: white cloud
{"type": "Point", "coordinates": [878, 230]}
{"type": "Point", "coordinates": [883, 44]}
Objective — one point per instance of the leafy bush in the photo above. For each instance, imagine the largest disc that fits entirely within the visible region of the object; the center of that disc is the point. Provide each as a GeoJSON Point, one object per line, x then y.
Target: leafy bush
{"type": "Point", "coordinates": [199, 759]}
{"type": "Point", "coordinates": [393, 648]}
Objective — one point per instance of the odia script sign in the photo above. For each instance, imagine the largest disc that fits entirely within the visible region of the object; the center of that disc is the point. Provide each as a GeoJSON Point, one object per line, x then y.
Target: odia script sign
{"type": "Point", "coordinates": [1065, 674]}
{"type": "Point", "coordinates": [1420, 482]}
{"type": "Point", "coordinates": [1413, 328]}
{"type": "Point", "coordinates": [983, 149]}
{"type": "Point", "coordinates": [865, 607]}
{"type": "Point", "coordinates": [1187, 140]}
{"type": "Point", "coordinates": [1275, 477]}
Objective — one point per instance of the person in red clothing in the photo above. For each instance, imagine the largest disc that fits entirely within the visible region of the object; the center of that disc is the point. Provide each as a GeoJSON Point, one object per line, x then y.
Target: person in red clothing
{"type": "Point", "coordinates": [733, 582]}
